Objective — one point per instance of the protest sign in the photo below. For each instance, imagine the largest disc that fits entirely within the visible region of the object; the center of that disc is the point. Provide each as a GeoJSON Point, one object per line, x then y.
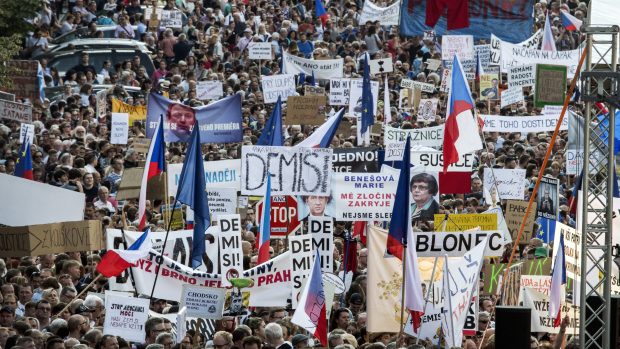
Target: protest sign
{"type": "Point", "coordinates": [515, 55]}
{"type": "Point", "coordinates": [384, 15]}
{"type": "Point", "coordinates": [302, 258]}
{"type": "Point", "coordinates": [381, 65]}
{"type": "Point", "coordinates": [322, 231]}
{"type": "Point", "coordinates": [305, 110]}
{"type": "Point", "coordinates": [202, 326]}
{"type": "Point", "coordinates": [511, 96]}
{"type": "Point", "coordinates": [136, 112]}
{"type": "Point", "coordinates": [364, 196]}
{"type": "Point", "coordinates": [15, 111]}
{"type": "Point", "coordinates": [218, 174]}
{"type": "Point", "coordinates": [181, 324]}
{"type": "Point", "coordinates": [206, 302]}
{"type": "Point", "coordinates": [171, 19]}
{"type": "Point", "coordinates": [522, 124]}
{"type": "Point", "coordinates": [496, 43]}
{"type": "Point", "coordinates": [464, 221]}
{"type": "Point", "coordinates": [394, 139]}
{"type": "Point", "coordinates": [44, 199]}
{"type": "Point", "coordinates": [432, 161]}
{"type": "Point", "coordinates": [231, 254]}
{"type": "Point", "coordinates": [26, 131]}
{"type": "Point", "coordinates": [457, 45]}
{"type": "Point", "coordinates": [540, 283]}
{"type": "Point", "coordinates": [446, 77]}
{"type": "Point", "coordinates": [494, 272]}
{"type": "Point", "coordinates": [283, 218]}
{"type": "Point", "coordinates": [576, 143]}
{"type": "Point", "coordinates": [7, 96]}
{"type": "Point", "coordinates": [405, 99]}
{"type": "Point", "coordinates": [260, 50]}
{"type": "Point", "coordinates": [141, 145]}
{"type": "Point", "coordinates": [119, 132]}
{"type": "Point", "coordinates": [102, 103]}
{"type": "Point", "coordinates": [222, 201]}
{"type": "Point", "coordinates": [34, 240]}
{"type": "Point", "coordinates": [293, 171]}
{"type": "Point", "coordinates": [489, 87]}
{"type": "Point", "coordinates": [427, 110]}
{"type": "Point", "coordinates": [126, 316]}
{"type": "Point", "coordinates": [547, 198]}
{"type": "Point", "coordinates": [507, 183]}
{"type": "Point", "coordinates": [322, 69]}
{"type": "Point", "coordinates": [275, 86]}
{"type": "Point", "coordinates": [206, 90]}
{"type": "Point", "coordinates": [24, 79]}
{"type": "Point", "coordinates": [550, 85]}
{"type": "Point", "coordinates": [433, 64]}
{"type": "Point", "coordinates": [572, 247]}
{"type": "Point", "coordinates": [314, 90]}
{"type": "Point", "coordinates": [355, 100]}
{"type": "Point", "coordinates": [430, 323]}
{"type": "Point", "coordinates": [423, 86]}
{"type": "Point", "coordinates": [541, 321]}
{"type": "Point", "coordinates": [458, 243]}
{"type": "Point", "coordinates": [339, 90]}
{"type": "Point", "coordinates": [553, 110]}
{"type": "Point", "coordinates": [515, 211]}
{"type": "Point", "coordinates": [174, 216]}
{"type": "Point", "coordinates": [522, 76]}
{"type": "Point", "coordinates": [362, 159]}
{"type": "Point", "coordinates": [483, 54]}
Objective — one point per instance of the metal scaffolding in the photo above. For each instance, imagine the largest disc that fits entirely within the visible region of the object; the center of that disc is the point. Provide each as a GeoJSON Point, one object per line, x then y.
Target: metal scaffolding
{"type": "Point", "coordinates": [599, 84]}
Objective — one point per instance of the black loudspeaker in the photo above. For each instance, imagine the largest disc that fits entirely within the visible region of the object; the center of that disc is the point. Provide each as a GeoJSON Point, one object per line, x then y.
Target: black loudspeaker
{"type": "Point", "coordinates": [512, 327]}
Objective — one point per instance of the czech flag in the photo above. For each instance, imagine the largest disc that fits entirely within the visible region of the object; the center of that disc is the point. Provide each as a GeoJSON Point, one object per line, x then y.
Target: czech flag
{"type": "Point", "coordinates": [264, 234]}
{"type": "Point", "coordinates": [23, 165]}
{"type": "Point", "coordinates": [569, 21]}
{"type": "Point", "coordinates": [114, 262]}
{"type": "Point", "coordinates": [311, 313]}
{"type": "Point", "coordinates": [155, 165]}
{"type": "Point", "coordinates": [322, 136]}
{"type": "Point", "coordinates": [272, 131]}
{"type": "Point", "coordinates": [401, 218]}
{"type": "Point", "coordinates": [461, 134]}
{"type": "Point", "coordinates": [320, 12]}
{"type": "Point", "coordinates": [558, 280]}
{"type": "Point", "coordinates": [548, 41]}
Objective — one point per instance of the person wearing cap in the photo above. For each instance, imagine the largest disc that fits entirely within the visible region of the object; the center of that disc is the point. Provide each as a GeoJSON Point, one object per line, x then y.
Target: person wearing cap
{"type": "Point", "coordinates": [299, 341]}
{"type": "Point", "coordinates": [356, 303]}
{"type": "Point", "coordinates": [245, 40]}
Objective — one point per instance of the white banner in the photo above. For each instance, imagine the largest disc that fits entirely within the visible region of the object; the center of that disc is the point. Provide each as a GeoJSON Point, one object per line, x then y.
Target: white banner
{"type": "Point", "coordinates": [539, 283]}
{"type": "Point", "coordinates": [120, 128]}
{"type": "Point", "coordinates": [457, 244]}
{"type": "Point", "coordinates": [302, 258]}
{"type": "Point", "coordinates": [522, 76]}
{"type": "Point", "coordinates": [355, 100]}
{"type": "Point", "coordinates": [294, 171]}
{"type": "Point", "coordinates": [508, 183]}
{"type": "Point", "coordinates": [511, 96]}
{"type": "Point", "coordinates": [515, 55]}
{"type": "Point", "coordinates": [323, 69]}
{"type": "Point", "coordinates": [218, 174]}
{"type": "Point", "coordinates": [432, 161]}
{"type": "Point", "coordinates": [364, 196]}
{"type": "Point", "coordinates": [459, 45]}
{"type": "Point", "coordinates": [572, 248]}
{"type": "Point", "coordinates": [222, 201]}
{"type": "Point", "coordinates": [260, 50]}
{"type": "Point", "coordinates": [125, 316]}
{"type": "Point", "coordinates": [275, 86]}
{"type": "Point", "coordinates": [523, 124]}
{"type": "Point", "coordinates": [495, 57]}
{"type": "Point", "coordinates": [541, 322]}
{"type": "Point", "coordinates": [339, 90]}
{"type": "Point", "coordinates": [203, 302]}
{"type": "Point", "coordinates": [394, 139]}
{"type": "Point", "coordinates": [321, 229]}
{"type": "Point", "coordinates": [423, 86]}
{"type": "Point", "coordinates": [207, 90]}
{"type": "Point", "coordinates": [231, 254]}
{"type": "Point", "coordinates": [385, 15]}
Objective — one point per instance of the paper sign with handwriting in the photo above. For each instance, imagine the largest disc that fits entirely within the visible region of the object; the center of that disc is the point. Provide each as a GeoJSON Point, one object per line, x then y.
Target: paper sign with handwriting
{"type": "Point", "coordinates": [508, 183]}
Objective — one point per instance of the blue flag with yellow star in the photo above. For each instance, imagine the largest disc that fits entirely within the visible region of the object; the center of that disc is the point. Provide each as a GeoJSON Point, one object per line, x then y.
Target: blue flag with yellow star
{"type": "Point", "coordinates": [368, 116]}
{"type": "Point", "coordinates": [546, 229]}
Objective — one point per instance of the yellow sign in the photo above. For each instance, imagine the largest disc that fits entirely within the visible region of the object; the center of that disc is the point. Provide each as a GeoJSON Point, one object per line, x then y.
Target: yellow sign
{"type": "Point", "coordinates": [136, 112]}
{"type": "Point", "coordinates": [465, 221]}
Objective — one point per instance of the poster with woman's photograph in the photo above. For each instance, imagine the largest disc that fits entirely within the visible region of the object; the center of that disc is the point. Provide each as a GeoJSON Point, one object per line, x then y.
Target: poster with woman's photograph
{"type": "Point", "coordinates": [424, 200]}
{"type": "Point", "coordinates": [547, 198]}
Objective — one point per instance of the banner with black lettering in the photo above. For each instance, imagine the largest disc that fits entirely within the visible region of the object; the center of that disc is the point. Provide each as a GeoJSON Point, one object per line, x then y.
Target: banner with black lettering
{"type": "Point", "coordinates": [457, 244]}
{"type": "Point", "coordinates": [364, 196]}
{"type": "Point", "coordinates": [322, 231]}
{"type": "Point", "coordinates": [394, 139]}
{"type": "Point", "coordinates": [294, 171]}
{"type": "Point", "coordinates": [541, 321]}
{"type": "Point", "coordinates": [322, 69]}
{"type": "Point", "coordinates": [356, 159]}
{"type": "Point", "coordinates": [231, 254]}
{"type": "Point", "coordinates": [432, 161]}
{"type": "Point", "coordinates": [523, 124]}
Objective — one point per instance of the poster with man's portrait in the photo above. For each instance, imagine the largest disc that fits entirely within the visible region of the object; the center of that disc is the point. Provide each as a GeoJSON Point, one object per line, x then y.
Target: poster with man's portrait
{"type": "Point", "coordinates": [547, 198]}
{"type": "Point", "coordinates": [317, 206]}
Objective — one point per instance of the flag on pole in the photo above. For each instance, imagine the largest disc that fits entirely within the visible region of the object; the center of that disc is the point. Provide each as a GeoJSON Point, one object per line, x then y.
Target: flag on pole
{"type": "Point", "coordinates": [479, 69]}
{"type": "Point", "coordinates": [387, 108]}
{"type": "Point", "coordinates": [558, 280]}
{"type": "Point", "coordinates": [272, 132]}
{"type": "Point", "coordinates": [414, 297]}
{"type": "Point", "coordinates": [368, 116]}
{"type": "Point", "coordinates": [569, 21]}
{"type": "Point", "coordinates": [301, 79]}
{"type": "Point", "coordinates": [311, 313]}
{"type": "Point", "coordinates": [312, 81]}
{"type": "Point", "coordinates": [400, 223]}
{"type": "Point", "coordinates": [548, 41]}
{"type": "Point", "coordinates": [192, 192]}
{"type": "Point", "coordinates": [359, 230]}
{"type": "Point", "coordinates": [264, 234]}
{"type": "Point", "coordinates": [114, 262]}
{"type": "Point", "coordinates": [23, 165]}
{"type": "Point", "coordinates": [320, 12]}
{"type": "Point", "coordinates": [154, 166]}
{"type": "Point", "coordinates": [41, 83]}
{"type": "Point", "coordinates": [461, 133]}
{"type": "Point", "coordinates": [322, 136]}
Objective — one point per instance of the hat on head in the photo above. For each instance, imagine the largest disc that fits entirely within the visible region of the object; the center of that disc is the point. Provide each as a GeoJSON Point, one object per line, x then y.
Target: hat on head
{"type": "Point", "coordinates": [356, 299]}
{"type": "Point", "coordinates": [247, 30]}
{"type": "Point", "coordinates": [298, 338]}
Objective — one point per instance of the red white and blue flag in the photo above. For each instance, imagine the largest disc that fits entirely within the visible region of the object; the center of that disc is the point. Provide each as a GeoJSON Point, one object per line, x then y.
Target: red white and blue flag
{"type": "Point", "coordinates": [558, 280]}
{"type": "Point", "coordinates": [401, 219]}
{"type": "Point", "coordinates": [322, 136]}
{"type": "Point", "coordinates": [461, 133]}
{"type": "Point", "coordinates": [23, 165]}
{"type": "Point", "coordinates": [155, 165]}
{"type": "Point", "coordinates": [570, 22]}
{"type": "Point", "coordinates": [548, 41]}
{"type": "Point", "coordinates": [114, 262]}
{"type": "Point", "coordinates": [320, 12]}
{"type": "Point", "coordinates": [264, 233]}
{"type": "Point", "coordinates": [311, 313]}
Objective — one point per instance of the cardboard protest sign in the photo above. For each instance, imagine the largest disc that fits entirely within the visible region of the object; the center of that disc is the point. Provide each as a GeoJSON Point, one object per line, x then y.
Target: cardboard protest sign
{"type": "Point", "coordinates": [24, 79]}
{"type": "Point", "coordinates": [541, 321]}
{"type": "Point", "coordinates": [15, 111]}
{"type": "Point", "coordinates": [550, 85]}
{"type": "Point", "coordinates": [489, 87]}
{"type": "Point", "coordinates": [206, 302]}
{"type": "Point", "coordinates": [302, 258]}
{"type": "Point", "coordinates": [284, 218]}
{"type": "Point", "coordinates": [361, 159]}
{"type": "Point", "coordinates": [136, 112]}
{"type": "Point", "coordinates": [42, 239]}
{"type": "Point", "coordinates": [222, 201]}
{"type": "Point", "coordinates": [523, 124]}
{"type": "Point", "coordinates": [293, 171]}
{"type": "Point", "coordinates": [427, 110]}
{"type": "Point", "coordinates": [522, 76]}
{"type": "Point", "coordinates": [218, 174]}
{"type": "Point", "coordinates": [323, 69]}
{"type": "Point", "coordinates": [126, 316]}
{"type": "Point", "coordinates": [231, 255]}
{"type": "Point", "coordinates": [339, 90]}
{"type": "Point", "coordinates": [457, 45]}
{"type": "Point", "coordinates": [260, 50]}
{"type": "Point", "coordinates": [322, 231]}
{"type": "Point", "coordinates": [507, 183]}
{"type": "Point", "coordinates": [102, 103]}
{"type": "Point", "coordinates": [141, 145]}
{"type": "Point", "coordinates": [275, 86]}
{"type": "Point", "coordinates": [465, 221]}
{"type": "Point", "coordinates": [364, 196]}
{"type": "Point", "coordinates": [457, 244]}
{"type": "Point", "coordinates": [208, 90]}
{"type": "Point", "coordinates": [547, 198]}
{"type": "Point", "coordinates": [511, 96]}
{"type": "Point", "coordinates": [305, 110]}
{"type": "Point", "coordinates": [119, 132]}
{"type": "Point", "coordinates": [394, 139]}
{"type": "Point", "coordinates": [515, 211]}
{"type": "Point", "coordinates": [314, 90]}
{"type": "Point", "coordinates": [129, 187]}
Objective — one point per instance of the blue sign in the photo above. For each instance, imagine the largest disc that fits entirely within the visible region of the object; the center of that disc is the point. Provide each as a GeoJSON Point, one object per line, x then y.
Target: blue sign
{"type": "Point", "coordinates": [510, 20]}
